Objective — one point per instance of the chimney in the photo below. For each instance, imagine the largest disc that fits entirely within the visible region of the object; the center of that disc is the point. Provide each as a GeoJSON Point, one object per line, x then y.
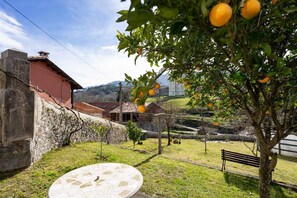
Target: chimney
{"type": "Point", "coordinates": [43, 53]}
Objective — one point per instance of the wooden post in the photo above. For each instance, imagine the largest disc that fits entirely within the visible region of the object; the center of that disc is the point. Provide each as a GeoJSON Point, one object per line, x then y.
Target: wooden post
{"type": "Point", "coordinates": [121, 103]}
{"type": "Point", "coordinates": [159, 136]}
{"type": "Point", "coordinates": [159, 132]}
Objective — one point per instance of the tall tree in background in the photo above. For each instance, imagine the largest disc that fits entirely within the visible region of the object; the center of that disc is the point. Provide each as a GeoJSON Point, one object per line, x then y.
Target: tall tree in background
{"type": "Point", "coordinates": [170, 118]}
{"type": "Point", "coordinates": [240, 54]}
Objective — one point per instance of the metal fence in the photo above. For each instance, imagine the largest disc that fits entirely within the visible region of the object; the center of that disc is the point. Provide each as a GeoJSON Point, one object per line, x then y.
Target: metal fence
{"type": "Point", "coordinates": [287, 146]}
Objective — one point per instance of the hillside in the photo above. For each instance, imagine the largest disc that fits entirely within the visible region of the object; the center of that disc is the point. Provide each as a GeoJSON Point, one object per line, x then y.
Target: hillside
{"type": "Point", "coordinates": [107, 92]}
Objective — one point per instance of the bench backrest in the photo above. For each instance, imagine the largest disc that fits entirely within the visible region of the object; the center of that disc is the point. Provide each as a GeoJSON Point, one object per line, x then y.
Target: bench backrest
{"type": "Point", "coordinates": [240, 158]}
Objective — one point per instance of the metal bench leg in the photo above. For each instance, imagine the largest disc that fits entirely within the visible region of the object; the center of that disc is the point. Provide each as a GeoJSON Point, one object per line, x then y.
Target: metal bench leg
{"type": "Point", "coordinates": [223, 165]}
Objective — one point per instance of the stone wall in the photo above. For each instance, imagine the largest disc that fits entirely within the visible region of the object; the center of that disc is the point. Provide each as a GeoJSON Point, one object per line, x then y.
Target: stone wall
{"type": "Point", "coordinates": [53, 125]}
{"type": "Point", "coordinates": [30, 126]}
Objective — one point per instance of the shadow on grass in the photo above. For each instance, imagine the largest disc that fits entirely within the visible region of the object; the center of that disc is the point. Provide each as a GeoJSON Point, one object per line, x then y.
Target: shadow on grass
{"type": "Point", "coordinates": [251, 185]}
{"type": "Point", "coordinates": [6, 175]}
{"type": "Point", "coordinates": [146, 160]}
{"type": "Point", "coordinates": [287, 158]}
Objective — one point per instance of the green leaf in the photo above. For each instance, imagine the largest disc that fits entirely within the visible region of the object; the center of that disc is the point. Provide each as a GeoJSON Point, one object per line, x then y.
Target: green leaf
{"type": "Point", "coordinates": [168, 13]}
{"type": "Point", "coordinates": [177, 27]}
{"type": "Point", "coordinates": [128, 78]}
{"type": "Point", "coordinates": [139, 17]}
{"type": "Point", "coordinates": [280, 63]}
{"type": "Point", "coordinates": [226, 40]}
{"type": "Point", "coordinates": [267, 49]}
{"type": "Point", "coordinates": [122, 18]}
{"type": "Point", "coordinates": [135, 3]}
{"type": "Point", "coordinates": [280, 38]}
{"type": "Point", "coordinates": [136, 59]}
{"type": "Point", "coordinates": [204, 9]}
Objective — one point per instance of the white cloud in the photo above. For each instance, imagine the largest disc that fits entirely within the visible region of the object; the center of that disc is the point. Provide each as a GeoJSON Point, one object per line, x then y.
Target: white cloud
{"type": "Point", "coordinates": [11, 32]}
{"type": "Point", "coordinates": [88, 36]}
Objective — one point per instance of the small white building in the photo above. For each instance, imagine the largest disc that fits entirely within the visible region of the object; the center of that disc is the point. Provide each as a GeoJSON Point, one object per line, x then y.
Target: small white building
{"type": "Point", "coordinates": [176, 89]}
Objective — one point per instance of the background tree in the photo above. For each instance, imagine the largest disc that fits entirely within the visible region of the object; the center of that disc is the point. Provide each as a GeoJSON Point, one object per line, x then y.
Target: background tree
{"type": "Point", "coordinates": [101, 130]}
{"type": "Point", "coordinates": [134, 132]}
{"type": "Point", "coordinates": [170, 118]}
{"type": "Point", "coordinates": [246, 62]}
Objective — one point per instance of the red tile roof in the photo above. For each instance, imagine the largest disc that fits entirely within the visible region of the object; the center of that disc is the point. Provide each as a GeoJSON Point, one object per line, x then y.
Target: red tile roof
{"type": "Point", "coordinates": [87, 108]}
{"type": "Point", "coordinates": [53, 66]}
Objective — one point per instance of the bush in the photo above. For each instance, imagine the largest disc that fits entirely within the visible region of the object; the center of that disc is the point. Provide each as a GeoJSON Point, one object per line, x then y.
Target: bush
{"type": "Point", "coordinates": [134, 132]}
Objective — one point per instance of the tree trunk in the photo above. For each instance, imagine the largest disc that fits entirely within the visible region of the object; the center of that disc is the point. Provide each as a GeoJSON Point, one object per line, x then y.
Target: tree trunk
{"type": "Point", "coordinates": [168, 136]}
{"type": "Point", "coordinates": [264, 174]}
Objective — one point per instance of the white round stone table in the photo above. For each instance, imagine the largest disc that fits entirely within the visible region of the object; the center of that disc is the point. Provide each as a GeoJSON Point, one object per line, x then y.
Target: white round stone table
{"type": "Point", "coordinates": [98, 180]}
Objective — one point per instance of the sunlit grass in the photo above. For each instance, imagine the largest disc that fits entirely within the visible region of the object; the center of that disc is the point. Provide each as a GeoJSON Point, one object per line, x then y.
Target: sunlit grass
{"type": "Point", "coordinates": [194, 151]}
{"type": "Point", "coordinates": [163, 177]}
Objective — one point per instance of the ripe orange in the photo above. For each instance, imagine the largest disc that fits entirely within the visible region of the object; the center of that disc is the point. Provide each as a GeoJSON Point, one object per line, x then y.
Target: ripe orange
{"type": "Point", "coordinates": [196, 95]}
{"type": "Point", "coordinates": [141, 94]}
{"type": "Point", "coordinates": [152, 92]}
{"type": "Point", "coordinates": [139, 51]}
{"type": "Point", "coordinates": [141, 108]}
{"type": "Point", "coordinates": [216, 123]}
{"type": "Point", "coordinates": [250, 9]}
{"type": "Point", "coordinates": [157, 86]}
{"type": "Point", "coordinates": [210, 104]}
{"type": "Point", "coordinates": [264, 80]}
{"type": "Point", "coordinates": [220, 14]}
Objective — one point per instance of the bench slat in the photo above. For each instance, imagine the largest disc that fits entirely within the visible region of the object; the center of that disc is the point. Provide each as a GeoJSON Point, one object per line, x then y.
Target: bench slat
{"type": "Point", "coordinates": [240, 158]}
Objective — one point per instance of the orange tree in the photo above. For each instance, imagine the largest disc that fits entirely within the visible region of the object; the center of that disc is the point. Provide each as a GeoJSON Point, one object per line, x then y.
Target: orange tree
{"type": "Point", "coordinates": [243, 59]}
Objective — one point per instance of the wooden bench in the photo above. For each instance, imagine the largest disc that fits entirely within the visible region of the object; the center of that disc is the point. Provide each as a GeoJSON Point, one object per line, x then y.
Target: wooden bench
{"type": "Point", "coordinates": [239, 158]}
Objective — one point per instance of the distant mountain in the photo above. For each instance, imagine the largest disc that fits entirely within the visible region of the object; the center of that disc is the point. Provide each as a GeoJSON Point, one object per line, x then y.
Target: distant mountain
{"type": "Point", "coordinates": [116, 83]}
{"type": "Point", "coordinates": [109, 91]}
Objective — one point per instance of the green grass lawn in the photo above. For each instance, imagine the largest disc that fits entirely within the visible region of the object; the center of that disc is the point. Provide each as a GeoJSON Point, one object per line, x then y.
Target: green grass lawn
{"type": "Point", "coordinates": [163, 177]}
{"type": "Point", "coordinates": [179, 102]}
{"type": "Point", "coordinates": [194, 151]}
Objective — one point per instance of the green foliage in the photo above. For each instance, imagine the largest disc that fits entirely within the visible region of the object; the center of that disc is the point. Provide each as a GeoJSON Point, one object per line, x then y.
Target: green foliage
{"type": "Point", "coordinates": [101, 130]}
{"type": "Point", "coordinates": [134, 132]}
{"type": "Point", "coordinates": [226, 66]}
{"type": "Point", "coordinates": [223, 65]}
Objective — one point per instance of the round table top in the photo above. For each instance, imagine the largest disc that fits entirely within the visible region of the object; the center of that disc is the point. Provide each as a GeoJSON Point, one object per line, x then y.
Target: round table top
{"type": "Point", "coordinates": [98, 180]}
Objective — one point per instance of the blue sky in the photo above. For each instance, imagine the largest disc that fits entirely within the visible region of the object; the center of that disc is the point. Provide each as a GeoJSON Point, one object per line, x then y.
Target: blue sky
{"type": "Point", "coordinates": [86, 27]}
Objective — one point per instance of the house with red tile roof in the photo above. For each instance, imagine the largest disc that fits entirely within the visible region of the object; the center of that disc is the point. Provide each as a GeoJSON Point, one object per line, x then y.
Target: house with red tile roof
{"type": "Point", "coordinates": [54, 84]}
{"type": "Point", "coordinates": [129, 111]}
{"type": "Point", "coordinates": [86, 108]}
{"type": "Point", "coordinates": [107, 106]}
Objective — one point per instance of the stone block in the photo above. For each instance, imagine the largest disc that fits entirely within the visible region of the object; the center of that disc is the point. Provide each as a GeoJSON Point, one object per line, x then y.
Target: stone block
{"type": "Point", "coordinates": [15, 155]}
{"type": "Point", "coordinates": [14, 53]}
{"type": "Point", "coordinates": [17, 115]}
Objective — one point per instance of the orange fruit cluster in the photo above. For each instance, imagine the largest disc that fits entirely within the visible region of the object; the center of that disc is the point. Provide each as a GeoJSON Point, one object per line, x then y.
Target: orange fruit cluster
{"type": "Point", "coordinates": [141, 108]}
{"type": "Point", "coordinates": [221, 13]}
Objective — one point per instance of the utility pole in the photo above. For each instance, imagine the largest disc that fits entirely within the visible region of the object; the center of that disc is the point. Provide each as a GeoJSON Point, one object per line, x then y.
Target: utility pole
{"type": "Point", "coordinates": [121, 103]}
